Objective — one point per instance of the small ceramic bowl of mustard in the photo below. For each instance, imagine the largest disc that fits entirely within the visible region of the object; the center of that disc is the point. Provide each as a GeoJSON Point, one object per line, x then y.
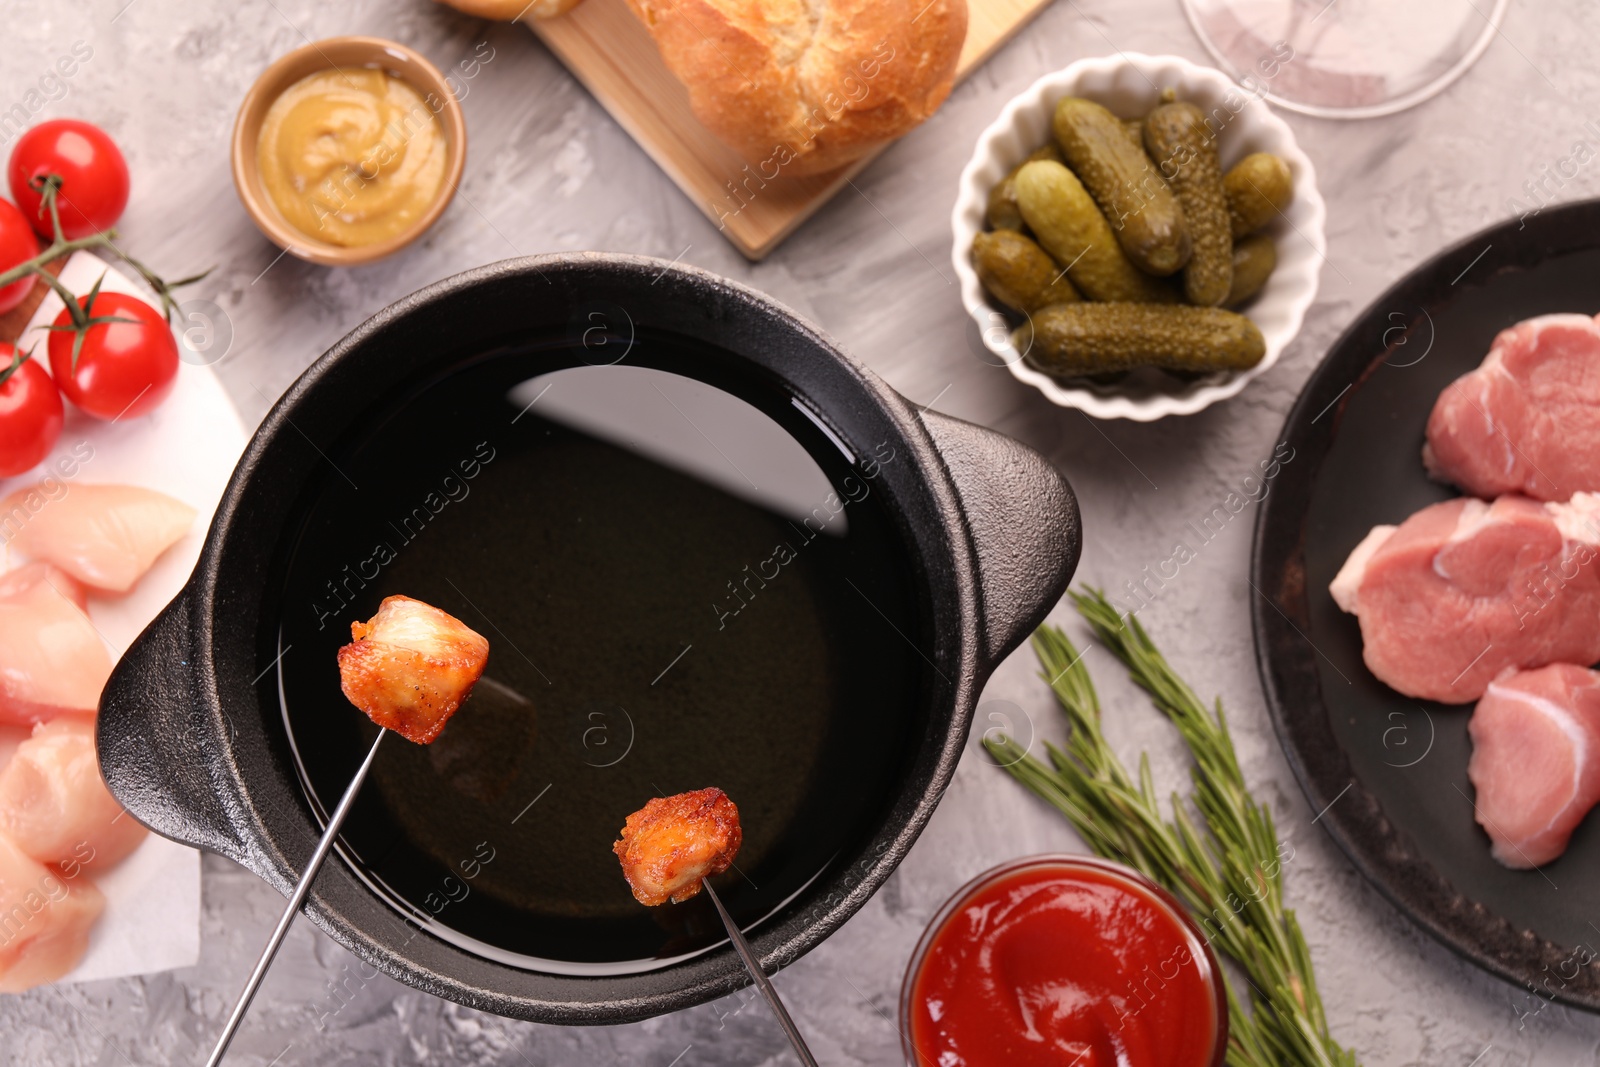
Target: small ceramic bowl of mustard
{"type": "Point", "coordinates": [348, 149]}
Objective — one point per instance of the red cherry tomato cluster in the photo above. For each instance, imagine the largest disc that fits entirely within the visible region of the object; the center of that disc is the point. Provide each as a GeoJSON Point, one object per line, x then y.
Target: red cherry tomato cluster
{"type": "Point", "coordinates": [126, 361]}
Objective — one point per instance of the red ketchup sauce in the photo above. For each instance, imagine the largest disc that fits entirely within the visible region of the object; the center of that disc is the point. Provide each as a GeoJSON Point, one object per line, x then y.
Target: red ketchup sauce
{"type": "Point", "coordinates": [1063, 960]}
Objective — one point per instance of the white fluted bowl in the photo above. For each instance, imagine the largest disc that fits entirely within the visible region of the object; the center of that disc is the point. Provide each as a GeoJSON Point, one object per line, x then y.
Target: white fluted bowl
{"type": "Point", "coordinates": [1130, 85]}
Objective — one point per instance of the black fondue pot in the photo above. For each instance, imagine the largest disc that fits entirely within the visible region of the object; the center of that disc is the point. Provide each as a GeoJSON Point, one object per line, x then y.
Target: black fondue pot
{"type": "Point", "coordinates": [706, 548]}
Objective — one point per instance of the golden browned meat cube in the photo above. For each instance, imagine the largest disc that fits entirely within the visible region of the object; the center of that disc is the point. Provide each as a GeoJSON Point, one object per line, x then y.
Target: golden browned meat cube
{"type": "Point", "coordinates": [411, 666]}
{"type": "Point", "coordinates": [672, 844]}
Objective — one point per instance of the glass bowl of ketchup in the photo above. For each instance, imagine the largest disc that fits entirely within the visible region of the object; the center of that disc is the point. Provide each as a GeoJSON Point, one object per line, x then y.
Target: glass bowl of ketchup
{"type": "Point", "coordinates": [1062, 959]}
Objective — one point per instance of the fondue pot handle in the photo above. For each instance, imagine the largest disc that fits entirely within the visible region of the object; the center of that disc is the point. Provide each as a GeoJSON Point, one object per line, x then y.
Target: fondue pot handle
{"type": "Point", "coordinates": [1022, 518]}
{"type": "Point", "coordinates": [160, 740]}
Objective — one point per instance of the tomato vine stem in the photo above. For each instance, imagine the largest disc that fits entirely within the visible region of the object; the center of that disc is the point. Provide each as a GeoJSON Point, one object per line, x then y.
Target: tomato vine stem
{"type": "Point", "coordinates": [48, 186]}
{"type": "Point", "coordinates": [18, 358]}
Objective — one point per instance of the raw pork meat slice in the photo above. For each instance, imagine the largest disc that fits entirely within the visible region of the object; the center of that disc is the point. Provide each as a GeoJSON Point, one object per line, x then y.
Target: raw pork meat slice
{"type": "Point", "coordinates": [1528, 419]}
{"type": "Point", "coordinates": [106, 536]}
{"type": "Point", "coordinates": [1536, 760]}
{"type": "Point", "coordinates": [1462, 590]}
{"type": "Point", "coordinates": [55, 806]}
{"type": "Point", "coordinates": [45, 918]}
{"type": "Point", "coordinates": [51, 659]}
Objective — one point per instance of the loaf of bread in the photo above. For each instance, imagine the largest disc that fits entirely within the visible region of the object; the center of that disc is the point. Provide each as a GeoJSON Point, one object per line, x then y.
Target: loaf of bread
{"type": "Point", "coordinates": [804, 86]}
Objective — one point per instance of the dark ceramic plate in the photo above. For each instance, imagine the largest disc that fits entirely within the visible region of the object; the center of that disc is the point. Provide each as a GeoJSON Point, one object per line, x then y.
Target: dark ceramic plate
{"type": "Point", "coordinates": [1389, 774]}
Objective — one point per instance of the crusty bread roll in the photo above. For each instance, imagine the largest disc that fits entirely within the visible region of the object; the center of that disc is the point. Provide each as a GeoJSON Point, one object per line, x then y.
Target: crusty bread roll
{"type": "Point", "coordinates": [804, 86]}
{"type": "Point", "coordinates": [505, 10]}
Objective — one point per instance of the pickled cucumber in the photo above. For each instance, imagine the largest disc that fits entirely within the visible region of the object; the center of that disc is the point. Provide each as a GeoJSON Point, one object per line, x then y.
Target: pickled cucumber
{"type": "Point", "coordinates": [1078, 339]}
{"type": "Point", "coordinates": [1135, 128]}
{"type": "Point", "coordinates": [1018, 273]}
{"type": "Point", "coordinates": [1253, 260]}
{"type": "Point", "coordinates": [1258, 187]}
{"type": "Point", "coordinates": [1176, 136]}
{"type": "Point", "coordinates": [1002, 213]}
{"type": "Point", "coordinates": [1146, 217]}
{"type": "Point", "coordinates": [1069, 226]}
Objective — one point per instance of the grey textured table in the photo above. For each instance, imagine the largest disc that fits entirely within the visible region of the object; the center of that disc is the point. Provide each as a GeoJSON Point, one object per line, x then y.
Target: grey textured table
{"type": "Point", "coordinates": [548, 170]}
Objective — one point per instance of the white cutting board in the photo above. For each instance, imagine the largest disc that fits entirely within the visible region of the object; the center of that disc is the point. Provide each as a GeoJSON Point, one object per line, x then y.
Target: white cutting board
{"type": "Point", "coordinates": [187, 449]}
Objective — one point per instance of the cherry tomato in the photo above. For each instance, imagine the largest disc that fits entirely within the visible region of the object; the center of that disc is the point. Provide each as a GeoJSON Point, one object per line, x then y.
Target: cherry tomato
{"type": "Point", "coordinates": [17, 244]}
{"type": "Point", "coordinates": [94, 177]}
{"type": "Point", "coordinates": [125, 369]}
{"type": "Point", "coordinates": [30, 413]}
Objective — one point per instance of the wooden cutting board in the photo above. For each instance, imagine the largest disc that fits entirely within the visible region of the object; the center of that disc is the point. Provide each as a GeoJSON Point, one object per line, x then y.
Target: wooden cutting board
{"type": "Point", "coordinates": [608, 50]}
{"type": "Point", "coordinates": [13, 322]}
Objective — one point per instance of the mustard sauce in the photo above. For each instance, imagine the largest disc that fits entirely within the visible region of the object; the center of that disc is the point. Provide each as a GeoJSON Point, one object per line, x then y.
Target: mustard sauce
{"type": "Point", "coordinates": [351, 157]}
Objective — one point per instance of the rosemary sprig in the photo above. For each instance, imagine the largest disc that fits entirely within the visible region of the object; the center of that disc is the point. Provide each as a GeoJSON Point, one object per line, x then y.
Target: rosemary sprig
{"type": "Point", "coordinates": [1226, 870]}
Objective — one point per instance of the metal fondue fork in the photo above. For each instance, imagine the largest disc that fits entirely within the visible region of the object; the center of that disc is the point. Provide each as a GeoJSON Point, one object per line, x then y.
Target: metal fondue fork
{"type": "Point", "coordinates": [324, 846]}
{"type": "Point", "coordinates": [296, 899]}
{"type": "Point", "coordinates": [742, 946]}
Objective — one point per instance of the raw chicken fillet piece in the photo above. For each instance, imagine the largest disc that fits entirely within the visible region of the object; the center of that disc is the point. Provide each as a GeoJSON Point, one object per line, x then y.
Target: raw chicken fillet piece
{"type": "Point", "coordinates": [11, 738]}
{"type": "Point", "coordinates": [57, 817]}
{"type": "Point", "coordinates": [55, 806]}
{"type": "Point", "coordinates": [411, 666]}
{"type": "Point", "coordinates": [52, 660]}
{"type": "Point", "coordinates": [672, 844]}
{"type": "Point", "coordinates": [1528, 419]}
{"type": "Point", "coordinates": [45, 918]}
{"type": "Point", "coordinates": [16, 583]}
{"type": "Point", "coordinates": [1463, 589]}
{"type": "Point", "coordinates": [1536, 760]}
{"type": "Point", "coordinates": [105, 536]}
